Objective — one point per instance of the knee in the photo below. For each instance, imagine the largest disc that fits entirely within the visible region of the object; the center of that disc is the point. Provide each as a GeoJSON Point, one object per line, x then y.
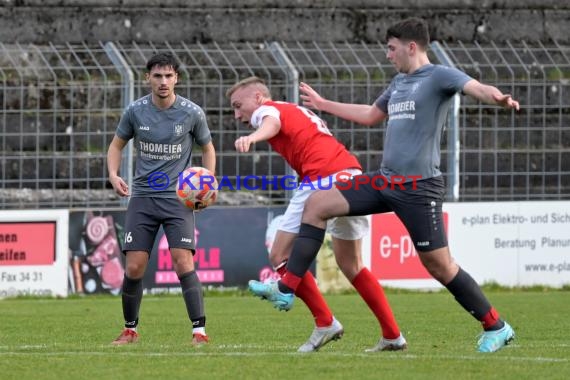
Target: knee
{"type": "Point", "coordinates": [183, 263]}
{"type": "Point", "coordinates": [314, 208]}
{"type": "Point", "coordinates": [436, 272]}
{"type": "Point", "coordinates": [442, 271]}
{"type": "Point", "coordinates": [135, 264]}
{"type": "Point", "coordinates": [134, 270]}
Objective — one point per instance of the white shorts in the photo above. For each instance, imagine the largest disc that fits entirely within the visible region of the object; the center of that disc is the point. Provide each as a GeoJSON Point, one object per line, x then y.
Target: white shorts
{"type": "Point", "coordinates": [345, 228]}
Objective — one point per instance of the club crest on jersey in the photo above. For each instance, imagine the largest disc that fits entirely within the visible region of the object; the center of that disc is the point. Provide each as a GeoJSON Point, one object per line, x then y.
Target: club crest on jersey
{"type": "Point", "coordinates": [178, 129]}
{"type": "Point", "coordinates": [415, 87]}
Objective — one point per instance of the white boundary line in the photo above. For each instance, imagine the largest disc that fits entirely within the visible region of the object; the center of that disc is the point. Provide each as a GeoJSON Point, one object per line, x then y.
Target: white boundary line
{"type": "Point", "coordinates": [114, 351]}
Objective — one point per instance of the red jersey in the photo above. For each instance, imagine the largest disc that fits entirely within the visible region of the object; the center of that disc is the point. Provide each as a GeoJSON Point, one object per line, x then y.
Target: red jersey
{"type": "Point", "coordinates": [304, 141]}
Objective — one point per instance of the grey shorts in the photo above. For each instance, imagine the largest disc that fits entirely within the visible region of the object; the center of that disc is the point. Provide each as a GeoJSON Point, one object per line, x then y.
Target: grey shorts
{"type": "Point", "coordinates": [145, 216]}
{"type": "Point", "coordinates": [417, 204]}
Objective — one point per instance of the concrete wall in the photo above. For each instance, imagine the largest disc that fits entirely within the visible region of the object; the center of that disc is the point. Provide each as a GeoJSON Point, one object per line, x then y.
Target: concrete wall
{"type": "Point", "coordinates": [60, 21]}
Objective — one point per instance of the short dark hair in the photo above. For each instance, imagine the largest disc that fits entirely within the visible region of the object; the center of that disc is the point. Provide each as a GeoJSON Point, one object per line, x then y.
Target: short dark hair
{"type": "Point", "coordinates": [411, 29]}
{"type": "Point", "coordinates": [163, 60]}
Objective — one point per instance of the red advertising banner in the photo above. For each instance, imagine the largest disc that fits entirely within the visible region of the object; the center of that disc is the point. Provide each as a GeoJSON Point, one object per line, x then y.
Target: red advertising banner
{"type": "Point", "coordinates": [394, 256]}
{"type": "Point", "coordinates": [27, 243]}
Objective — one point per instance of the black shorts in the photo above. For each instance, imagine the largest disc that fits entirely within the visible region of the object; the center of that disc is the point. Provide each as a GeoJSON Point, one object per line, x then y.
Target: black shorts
{"type": "Point", "coordinates": [418, 205]}
{"type": "Point", "coordinates": [144, 217]}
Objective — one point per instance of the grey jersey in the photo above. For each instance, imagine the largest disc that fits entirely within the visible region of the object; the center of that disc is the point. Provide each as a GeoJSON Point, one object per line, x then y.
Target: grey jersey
{"type": "Point", "coordinates": [417, 105]}
{"type": "Point", "coordinates": [163, 141]}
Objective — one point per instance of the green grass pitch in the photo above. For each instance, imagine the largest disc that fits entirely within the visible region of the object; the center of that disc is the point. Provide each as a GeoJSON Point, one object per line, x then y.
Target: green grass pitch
{"type": "Point", "coordinates": [69, 339]}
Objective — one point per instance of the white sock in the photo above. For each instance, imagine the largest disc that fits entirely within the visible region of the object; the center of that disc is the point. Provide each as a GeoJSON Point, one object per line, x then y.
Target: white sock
{"type": "Point", "coordinates": [199, 330]}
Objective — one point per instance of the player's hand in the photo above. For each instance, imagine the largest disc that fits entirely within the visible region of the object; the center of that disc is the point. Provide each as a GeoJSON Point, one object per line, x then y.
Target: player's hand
{"type": "Point", "coordinates": [243, 143]}
{"type": "Point", "coordinates": [310, 97]}
{"type": "Point", "coordinates": [120, 186]}
{"type": "Point", "coordinates": [506, 101]}
{"type": "Point", "coordinates": [199, 206]}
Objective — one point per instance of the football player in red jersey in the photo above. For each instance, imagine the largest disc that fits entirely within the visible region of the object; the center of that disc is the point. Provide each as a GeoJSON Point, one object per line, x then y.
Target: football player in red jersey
{"type": "Point", "coordinates": [415, 105]}
{"type": "Point", "coordinates": [305, 142]}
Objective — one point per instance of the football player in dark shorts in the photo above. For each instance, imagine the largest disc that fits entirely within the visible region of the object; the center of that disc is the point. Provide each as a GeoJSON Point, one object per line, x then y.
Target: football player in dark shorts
{"type": "Point", "coordinates": [164, 127]}
{"type": "Point", "coordinates": [409, 181]}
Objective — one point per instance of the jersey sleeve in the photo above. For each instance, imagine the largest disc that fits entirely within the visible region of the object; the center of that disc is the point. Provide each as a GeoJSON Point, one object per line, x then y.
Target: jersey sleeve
{"type": "Point", "coordinates": [262, 112]}
{"type": "Point", "coordinates": [382, 101]}
{"type": "Point", "coordinates": [125, 129]}
{"type": "Point", "coordinates": [201, 132]}
{"type": "Point", "coordinates": [450, 79]}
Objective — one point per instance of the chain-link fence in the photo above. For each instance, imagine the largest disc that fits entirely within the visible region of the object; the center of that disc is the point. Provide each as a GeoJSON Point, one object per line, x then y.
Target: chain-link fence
{"type": "Point", "coordinates": [61, 105]}
{"type": "Point", "coordinates": [524, 156]}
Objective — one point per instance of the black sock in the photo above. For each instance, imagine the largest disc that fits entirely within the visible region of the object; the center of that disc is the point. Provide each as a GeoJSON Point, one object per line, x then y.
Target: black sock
{"type": "Point", "coordinates": [469, 295]}
{"type": "Point", "coordinates": [193, 298]}
{"type": "Point", "coordinates": [131, 296]}
{"type": "Point", "coordinates": [305, 249]}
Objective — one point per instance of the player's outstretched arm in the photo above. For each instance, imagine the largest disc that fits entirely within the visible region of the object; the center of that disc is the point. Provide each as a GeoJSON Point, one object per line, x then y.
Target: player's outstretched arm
{"type": "Point", "coordinates": [269, 127]}
{"type": "Point", "coordinates": [359, 113]}
{"type": "Point", "coordinates": [490, 95]}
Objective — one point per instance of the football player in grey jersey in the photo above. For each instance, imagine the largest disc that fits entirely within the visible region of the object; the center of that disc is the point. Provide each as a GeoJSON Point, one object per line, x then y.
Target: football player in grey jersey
{"type": "Point", "coordinates": [408, 181]}
{"type": "Point", "coordinates": [164, 127]}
